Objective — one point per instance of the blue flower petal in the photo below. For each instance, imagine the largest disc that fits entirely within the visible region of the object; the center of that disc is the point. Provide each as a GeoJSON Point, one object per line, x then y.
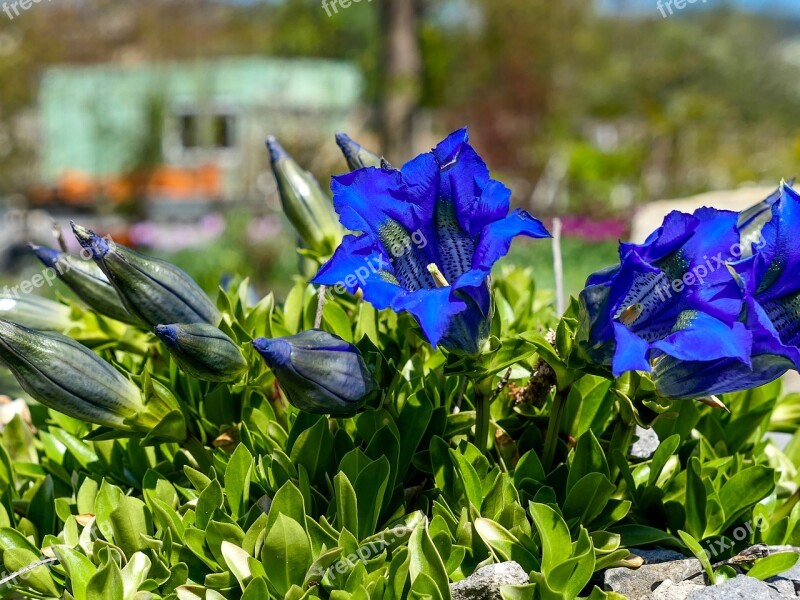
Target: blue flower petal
{"type": "Point", "coordinates": [631, 351]}
{"type": "Point", "coordinates": [358, 263]}
{"type": "Point", "coordinates": [495, 239]}
{"type": "Point", "coordinates": [702, 337]}
{"type": "Point", "coordinates": [675, 231]}
{"type": "Point", "coordinates": [433, 310]}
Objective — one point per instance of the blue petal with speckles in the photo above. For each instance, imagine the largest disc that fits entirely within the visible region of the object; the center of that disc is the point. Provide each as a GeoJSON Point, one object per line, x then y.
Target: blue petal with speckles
{"type": "Point", "coordinates": [442, 208]}
{"type": "Point", "coordinates": [733, 320]}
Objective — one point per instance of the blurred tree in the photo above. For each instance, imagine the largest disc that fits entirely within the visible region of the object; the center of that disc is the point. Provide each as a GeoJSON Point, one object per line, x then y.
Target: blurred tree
{"type": "Point", "coordinates": [400, 75]}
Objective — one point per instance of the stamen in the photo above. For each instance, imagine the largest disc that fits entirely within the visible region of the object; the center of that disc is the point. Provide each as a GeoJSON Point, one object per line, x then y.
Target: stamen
{"type": "Point", "coordinates": [438, 278]}
{"type": "Point", "coordinates": [629, 314]}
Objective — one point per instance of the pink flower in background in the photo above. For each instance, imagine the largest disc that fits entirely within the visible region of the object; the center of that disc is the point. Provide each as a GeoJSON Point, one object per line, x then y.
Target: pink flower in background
{"type": "Point", "coordinates": [172, 237]}
{"type": "Point", "coordinates": [263, 229]}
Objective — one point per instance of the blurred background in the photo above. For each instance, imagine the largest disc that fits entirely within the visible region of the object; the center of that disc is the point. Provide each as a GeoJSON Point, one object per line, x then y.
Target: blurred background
{"type": "Point", "coordinates": [146, 119]}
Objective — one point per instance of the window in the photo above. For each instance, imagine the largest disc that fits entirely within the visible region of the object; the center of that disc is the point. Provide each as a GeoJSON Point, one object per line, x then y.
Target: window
{"type": "Point", "coordinates": [199, 133]}
{"type": "Point", "coordinates": [188, 130]}
{"type": "Point", "coordinates": [224, 130]}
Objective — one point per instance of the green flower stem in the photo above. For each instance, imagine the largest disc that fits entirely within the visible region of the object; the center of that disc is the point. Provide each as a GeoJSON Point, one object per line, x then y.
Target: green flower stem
{"type": "Point", "coordinates": [621, 439]}
{"type": "Point", "coordinates": [554, 428]}
{"type": "Point", "coordinates": [483, 401]}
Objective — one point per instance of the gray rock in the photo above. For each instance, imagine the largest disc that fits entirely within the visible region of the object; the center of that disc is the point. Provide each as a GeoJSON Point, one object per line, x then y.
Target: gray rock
{"type": "Point", "coordinates": [783, 586]}
{"type": "Point", "coordinates": [741, 587]}
{"type": "Point", "coordinates": [675, 591]}
{"type": "Point", "coordinates": [645, 446]}
{"type": "Point", "coordinates": [639, 583]}
{"type": "Point", "coordinates": [484, 583]}
{"type": "Point", "coordinates": [793, 573]}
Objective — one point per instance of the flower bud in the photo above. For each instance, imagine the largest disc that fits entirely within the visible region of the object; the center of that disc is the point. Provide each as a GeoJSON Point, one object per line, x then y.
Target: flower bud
{"type": "Point", "coordinates": [153, 290]}
{"type": "Point", "coordinates": [35, 312]}
{"type": "Point", "coordinates": [319, 372]}
{"type": "Point", "coordinates": [69, 378]}
{"type": "Point", "coordinates": [357, 156]}
{"type": "Point", "coordinates": [306, 206]}
{"type": "Point", "coordinates": [203, 351]}
{"type": "Point", "coordinates": [87, 281]}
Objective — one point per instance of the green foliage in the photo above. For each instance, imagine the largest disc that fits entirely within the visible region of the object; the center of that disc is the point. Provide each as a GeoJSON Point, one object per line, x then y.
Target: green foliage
{"type": "Point", "coordinates": [259, 500]}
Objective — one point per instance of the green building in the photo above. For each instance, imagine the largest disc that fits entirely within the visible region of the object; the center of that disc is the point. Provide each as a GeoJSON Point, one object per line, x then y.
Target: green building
{"type": "Point", "coordinates": [105, 121]}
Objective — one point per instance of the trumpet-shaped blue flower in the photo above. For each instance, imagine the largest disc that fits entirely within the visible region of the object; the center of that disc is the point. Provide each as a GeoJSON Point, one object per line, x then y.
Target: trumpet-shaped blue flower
{"type": "Point", "coordinates": [672, 295]}
{"type": "Point", "coordinates": [771, 312]}
{"type": "Point", "coordinates": [428, 235]}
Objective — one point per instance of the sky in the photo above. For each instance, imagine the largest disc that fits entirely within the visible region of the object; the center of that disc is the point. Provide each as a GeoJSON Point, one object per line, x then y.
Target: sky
{"type": "Point", "coordinates": [786, 7]}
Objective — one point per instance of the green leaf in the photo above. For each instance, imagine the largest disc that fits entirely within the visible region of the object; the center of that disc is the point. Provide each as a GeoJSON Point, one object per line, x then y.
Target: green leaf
{"type": "Point", "coordinates": [529, 467]}
{"type": "Point", "coordinates": [587, 458]}
{"type": "Point", "coordinates": [287, 501]}
{"type": "Point", "coordinates": [337, 321]}
{"type": "Point", "coordinates": [237, 480]}
{"type": "Point", "coordinates": [286, 554]}
{"type": "Point", "coordinates": [773, 565]}
{"type": "Point", "coordinates": [314, 450]}
{"type": "Point", "coordinates": [210, 500]}
{"type": "Point", "coordinates": [371, 484]}
{"type": "Point", "coordinates": [41, 510]}
{"type": "Point", "coordinates": [79, 569]}
{"type": "Point", "coordinates": [587, 498]}
{"type": "Point", "coordinates": [256, 590]}
{"type": "Point", "coordinates": [346, 504]}
{"type": "Point", "coordinates": [130, 520]}
{"type": "Point", "coordinates": [661, 456]}
{"type": "Point", "coordinates": [695, 504]}
{"type": "Point", "coordinates": [17, 559]}
{"type": "Point", "coordinates": [505, 544]}
{"type": "Point", "coordinates": [745, 489]}
{"type": "Point", "coordinates": [237, 560]}
{"type": "Point", "coordinates": [135, 573]}
{"type": "Point", "coordinates": [469, 477]}
{"type": "Point", "coordinates": [425, 560]}
{"type": "Point", "coordinates": [700, 554]}
{"type": "Point", "coordinates": [106, 583]}
{"type": "Point", "coordinates": [554, 535]}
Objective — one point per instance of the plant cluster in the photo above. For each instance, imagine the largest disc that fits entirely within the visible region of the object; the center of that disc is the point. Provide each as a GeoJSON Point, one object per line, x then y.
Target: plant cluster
{"type": "Point", "coordinates": [430, 417]}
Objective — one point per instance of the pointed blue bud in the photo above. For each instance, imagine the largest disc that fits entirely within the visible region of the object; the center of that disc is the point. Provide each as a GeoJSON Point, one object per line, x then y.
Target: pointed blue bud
{"type": "Point", "coordinates": [153, 290]}
{"type": "Point", "coordinates": [356, 155]}
{"type": "Point", "coordinates": [319, 372]}
{"type": "Point", "coordinates": [87, 281]}
{"type": "Point", "coordinates": [307, 207]}
{"type": "Point", "coordinates": [69, 378]}
{"type": "Point", "coordinates": [203, 351]}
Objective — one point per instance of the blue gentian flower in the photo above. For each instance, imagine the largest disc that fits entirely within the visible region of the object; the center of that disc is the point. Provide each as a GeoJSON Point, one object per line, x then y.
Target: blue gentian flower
{"type": "Point", "coordinates": [428, 235]}
{"type": "Point", "coordinates": [672, 295]}
{"type": "Point", "coordinates": [771, 312]}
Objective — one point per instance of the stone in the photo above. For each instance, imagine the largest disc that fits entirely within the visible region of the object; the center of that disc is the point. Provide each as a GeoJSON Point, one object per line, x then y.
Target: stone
{"type": "Point", "coordinates": [783, 586]}
{"type": "Point", "coordinates": [740, 587]}
{"type": "Point", "coordinates": [644, 447]}
{"type": "Point", "coordinates": [639, 583]}
{"type": "Point", "coordinates": [674, 591]}
{"type": "Point", "coordinates": [484, 584]}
